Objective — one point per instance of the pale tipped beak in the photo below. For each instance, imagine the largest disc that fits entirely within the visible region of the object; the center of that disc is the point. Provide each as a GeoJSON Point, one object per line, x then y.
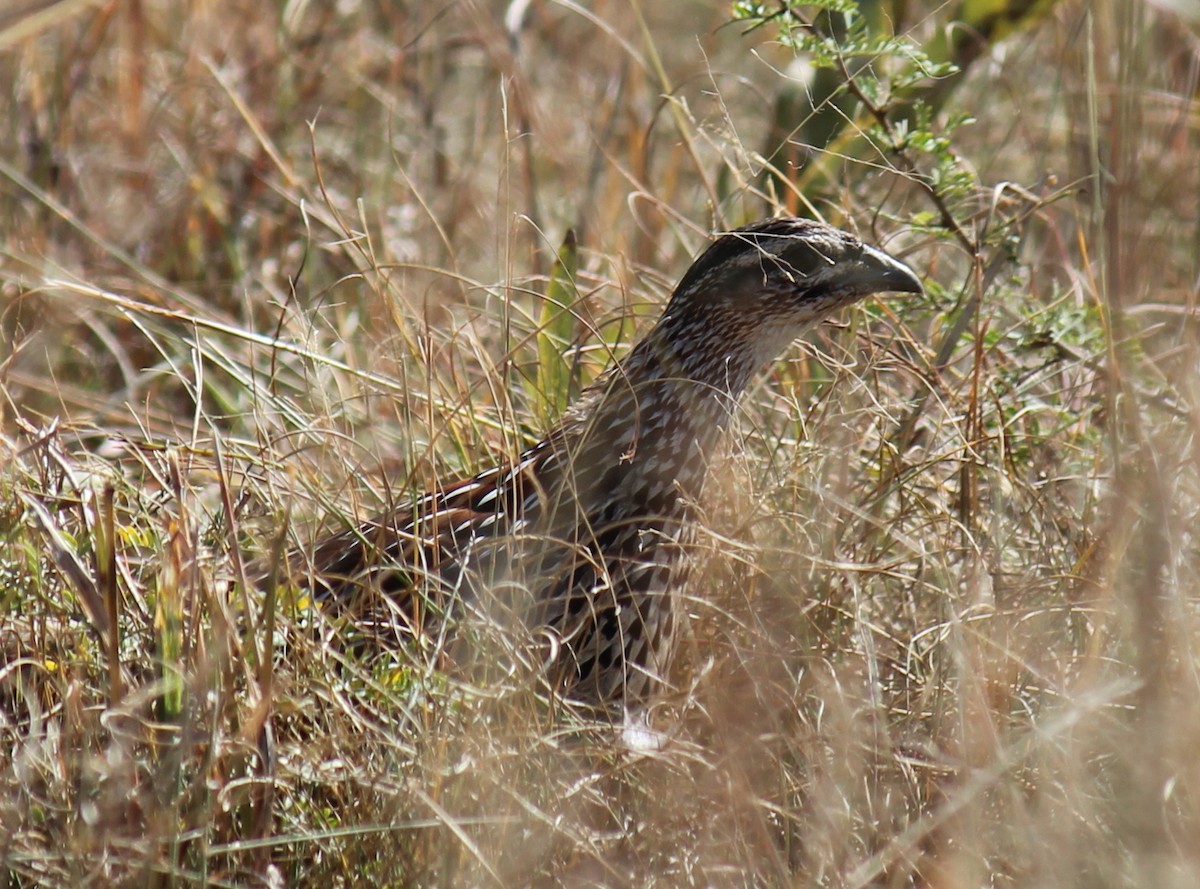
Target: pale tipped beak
{"type": "Point", "coordinates": [877, 272]}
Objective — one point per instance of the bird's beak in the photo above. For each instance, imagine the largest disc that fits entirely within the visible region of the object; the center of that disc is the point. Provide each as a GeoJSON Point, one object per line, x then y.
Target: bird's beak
{"type": "Point", "coordinates": [877, 272]}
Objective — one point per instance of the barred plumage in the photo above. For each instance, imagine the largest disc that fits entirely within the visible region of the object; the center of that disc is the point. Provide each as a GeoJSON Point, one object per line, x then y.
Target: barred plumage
{"type": "Point", "coordinates": [583, 539]}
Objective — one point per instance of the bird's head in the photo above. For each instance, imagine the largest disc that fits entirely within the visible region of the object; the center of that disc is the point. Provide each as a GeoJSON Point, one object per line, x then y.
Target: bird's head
{"type": "Point", "coordinates": [791, 270]}
{"type": "Point", "coordinates": [756, 289]}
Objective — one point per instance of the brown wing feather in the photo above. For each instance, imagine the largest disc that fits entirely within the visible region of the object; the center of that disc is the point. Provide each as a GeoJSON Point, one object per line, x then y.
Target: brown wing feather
{"type": "Point", "coordinates": [417, 548]}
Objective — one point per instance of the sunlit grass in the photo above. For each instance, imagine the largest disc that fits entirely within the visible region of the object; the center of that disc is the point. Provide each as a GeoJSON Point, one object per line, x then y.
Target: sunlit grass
{"type": "Point", "coordinates": [261, 275]}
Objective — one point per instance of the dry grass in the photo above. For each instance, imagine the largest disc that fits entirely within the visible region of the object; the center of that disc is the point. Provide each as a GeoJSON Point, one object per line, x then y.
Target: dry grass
{"type": "Point", "coordinates": [265, 267]}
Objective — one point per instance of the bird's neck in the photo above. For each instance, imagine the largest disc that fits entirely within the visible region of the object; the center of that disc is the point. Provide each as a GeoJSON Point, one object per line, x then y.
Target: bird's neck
{"type": "Point", "coordinates": [719, 352]}
{"type": "Point", "coordinates": [662, 410]}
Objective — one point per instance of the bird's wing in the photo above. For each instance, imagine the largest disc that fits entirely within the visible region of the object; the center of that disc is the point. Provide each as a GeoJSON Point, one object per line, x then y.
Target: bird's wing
{"type": "Point", "coordinates": [421, 545]}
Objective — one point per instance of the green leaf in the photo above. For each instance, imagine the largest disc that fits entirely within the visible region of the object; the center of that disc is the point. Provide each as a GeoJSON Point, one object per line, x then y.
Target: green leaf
{"type": "Point", "coordinates": [556, 332]}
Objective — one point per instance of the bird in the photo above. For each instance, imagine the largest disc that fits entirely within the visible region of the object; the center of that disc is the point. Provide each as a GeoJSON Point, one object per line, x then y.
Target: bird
{"type": "Point", "coordinates": [582, 542]}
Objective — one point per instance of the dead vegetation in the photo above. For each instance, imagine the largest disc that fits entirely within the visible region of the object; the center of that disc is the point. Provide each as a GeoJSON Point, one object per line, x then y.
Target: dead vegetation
{"type": "Point", "coordinates": [263, 268]}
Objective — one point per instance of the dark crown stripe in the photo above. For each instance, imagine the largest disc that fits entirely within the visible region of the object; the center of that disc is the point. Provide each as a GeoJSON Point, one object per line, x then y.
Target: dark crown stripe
{"type": "Point", "coordinates": [731, 244]}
